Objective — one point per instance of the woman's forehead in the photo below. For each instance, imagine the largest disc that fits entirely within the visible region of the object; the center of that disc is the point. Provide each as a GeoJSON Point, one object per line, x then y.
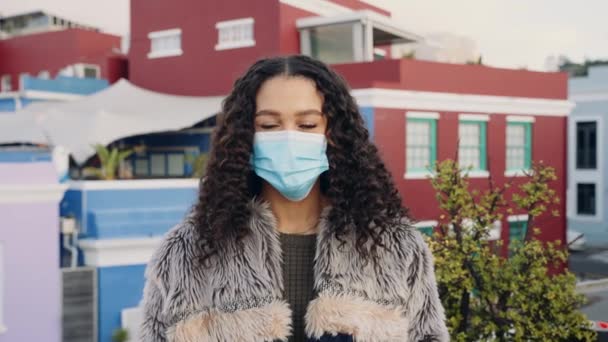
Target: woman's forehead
{"type": "Point", "coordinates": [287, 94]}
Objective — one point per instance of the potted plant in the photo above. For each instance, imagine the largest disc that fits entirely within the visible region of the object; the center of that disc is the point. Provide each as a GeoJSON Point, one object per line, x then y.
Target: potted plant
{"type": "Point", "coordinates": [109, 159]}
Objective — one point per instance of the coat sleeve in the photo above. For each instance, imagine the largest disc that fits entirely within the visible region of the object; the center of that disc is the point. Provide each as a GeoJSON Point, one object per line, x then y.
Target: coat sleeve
{"type": "Point", "coordinates": [153, 324]}
{"type": "Point", "coordinates": [163, 270]}
{"type": "Point", "coordinates": [424, 309]}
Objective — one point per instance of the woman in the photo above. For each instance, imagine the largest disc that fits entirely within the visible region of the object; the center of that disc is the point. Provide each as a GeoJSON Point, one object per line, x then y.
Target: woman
{"type": "Point", "coordinates": [298, 233]}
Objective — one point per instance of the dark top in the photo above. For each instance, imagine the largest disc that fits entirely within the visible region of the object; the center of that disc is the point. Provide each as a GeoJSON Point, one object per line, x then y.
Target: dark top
{"type": "Point", "coordinates": [298, 278]}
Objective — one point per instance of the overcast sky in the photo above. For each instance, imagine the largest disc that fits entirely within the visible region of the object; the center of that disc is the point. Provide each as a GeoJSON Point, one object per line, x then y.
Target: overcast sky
{"type": "Point", "coordinates": [508, 33]}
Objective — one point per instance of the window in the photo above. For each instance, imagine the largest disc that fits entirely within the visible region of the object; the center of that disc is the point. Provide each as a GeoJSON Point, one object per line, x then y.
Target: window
{"type": "Point", "coordinates": [586, 145]}
{"type": "Point", "coordinates": [87, 70]}
{"type": "Point", "coordinates": [157, 164]}
{"type": "Point", "coordinates": [421, 143]}
{"type": "Point", "coordinates": [472, 142]}
{"type": "Point", "coordinates": [6, 83]}
{"type": "Point", "coordinates": [518, 227]}
{"type": "Point", "coordinates": [142, 167]}
{"type": "Point", "coordinates": [519, 149]}
{"type": "Point", "coordinates": [2, 272]}
{"type": "Point", "coordinates": [333, 43]}
{"type": "Point", "coordinates": [160, 162]}
{"type": "Point", "coordinates": [90, 71]}
{"type": "Point", "coordinates": [175, 164]}
{"type": "Point", "coordinates": [234, 34]}
{"type": "Point", "coordinates": [585, 199]}
{"type": "Point", "coordinates": [426, 227]}
{"type": "Point", "coordinates": [165, 43]}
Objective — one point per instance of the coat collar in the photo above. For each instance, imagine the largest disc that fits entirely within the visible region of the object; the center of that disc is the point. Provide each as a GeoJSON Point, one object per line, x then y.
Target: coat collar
{"type": "Point", "coordinates": [240, 296]}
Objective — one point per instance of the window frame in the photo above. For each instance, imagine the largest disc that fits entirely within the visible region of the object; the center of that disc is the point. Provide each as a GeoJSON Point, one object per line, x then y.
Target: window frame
{"type": "Point", "coordinates": [165, 34]}
{"type": "Point", "coordinates": [482, 121]}
{"type": "Point", "coordinates": [594, 202]}
{"type": "Point", "coordinates": [517, 220]}
{"type": "Point", "coordinates": [527, 147]}
{"type": "Point", "coordinates": [426, 227]}
{"type": "Point", "coordinates": [166, 152]}
{"type": "Point", "coordinates": [576, 176]}
{"type": "Point", "coordinates": [576, 147]}
{"type": "Point", "coordinates": [79, 69]}
{"type": "Point", "coordinates": [426, 117]}
{"type": "Point", "coordinates": [244, 23]}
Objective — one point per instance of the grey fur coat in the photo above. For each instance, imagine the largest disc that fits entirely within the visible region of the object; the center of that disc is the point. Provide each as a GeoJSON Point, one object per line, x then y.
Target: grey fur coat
{"type": "Point", "coordinates": [239, 297]}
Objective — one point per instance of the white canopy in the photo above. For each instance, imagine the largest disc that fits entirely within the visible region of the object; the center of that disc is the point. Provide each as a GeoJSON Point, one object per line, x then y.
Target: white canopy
{"type": "Point", "coordinates": [118, 111]}
{"type": "Point", "coordinates": [16, 128]}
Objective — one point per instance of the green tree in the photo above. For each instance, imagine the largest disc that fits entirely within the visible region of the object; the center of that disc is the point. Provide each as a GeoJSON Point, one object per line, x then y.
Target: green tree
{"type": "Point", "coordinates": [489, 297]}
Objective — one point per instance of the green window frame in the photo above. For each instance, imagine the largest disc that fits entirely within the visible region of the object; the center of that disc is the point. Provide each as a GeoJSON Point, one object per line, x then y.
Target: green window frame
{"type": "Point", "coordinates": [431, 145]}
{"type": "Point", "coordinates": [480, 146]}
{"type": "Point", "coordinates": [516, 149]}
{"type": "Point", "coordinates": [428, 231]}
{"type": "Point", "coordinates": [517, 233]}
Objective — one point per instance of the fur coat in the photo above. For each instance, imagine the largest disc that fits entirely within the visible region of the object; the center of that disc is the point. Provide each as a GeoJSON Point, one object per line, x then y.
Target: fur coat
{"type": "Point", "coordinates": [239, 296]}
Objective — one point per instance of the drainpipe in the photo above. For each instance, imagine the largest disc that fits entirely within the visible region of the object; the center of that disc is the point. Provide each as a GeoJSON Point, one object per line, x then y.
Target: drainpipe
{"type": "Point", "coordinates": [68, 229]}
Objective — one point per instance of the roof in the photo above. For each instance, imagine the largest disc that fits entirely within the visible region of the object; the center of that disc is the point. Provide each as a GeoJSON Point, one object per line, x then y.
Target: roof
{"type": "Point", "coordinates": [116, 112]}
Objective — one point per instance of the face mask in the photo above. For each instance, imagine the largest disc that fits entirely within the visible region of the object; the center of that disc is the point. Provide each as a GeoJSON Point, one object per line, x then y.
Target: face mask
{"type": "Point", "coordinates": [290, 161]}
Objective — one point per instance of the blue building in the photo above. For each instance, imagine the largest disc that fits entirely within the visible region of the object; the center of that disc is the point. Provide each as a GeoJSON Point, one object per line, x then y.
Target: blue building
{"type": "Point", "coordinates": [587, 156]}
{"type": "Point", "coordinates": [62, 88]}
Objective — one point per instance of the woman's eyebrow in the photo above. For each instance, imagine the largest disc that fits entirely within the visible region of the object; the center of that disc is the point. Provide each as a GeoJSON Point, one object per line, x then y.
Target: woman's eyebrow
{"type": "Point", "coordinates": [275, 113]}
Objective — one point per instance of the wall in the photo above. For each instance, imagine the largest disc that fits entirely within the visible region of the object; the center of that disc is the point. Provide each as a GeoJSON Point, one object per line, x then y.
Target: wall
{"type": "Point", "coordinates": [200, 70]}
{"type": "Point", "coordinates": [59, 49]}
{"type": "Point", "coordinates": [548, 145]}
{"type": "Point", "coordinates": [454, 78]}
{"type": "Point", "coordinates": [591, 96]}
{"type": "Point", "coordinates": [594, 228]}
{"type": "Point", "coordinates": [29, 195]}
{"type": "Point", "coordinates": [122, 223]}
{"type": "Point", "coordinates": [120, 287]}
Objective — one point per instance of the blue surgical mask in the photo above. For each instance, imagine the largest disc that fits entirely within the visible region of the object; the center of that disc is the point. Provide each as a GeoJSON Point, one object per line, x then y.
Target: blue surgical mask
{"type": "Point", "coordinates": [290, 161]}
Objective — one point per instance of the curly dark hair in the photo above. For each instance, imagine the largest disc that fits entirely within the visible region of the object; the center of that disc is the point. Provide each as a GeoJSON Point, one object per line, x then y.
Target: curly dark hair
{"type": "Point", "coordinates": [357, 184]}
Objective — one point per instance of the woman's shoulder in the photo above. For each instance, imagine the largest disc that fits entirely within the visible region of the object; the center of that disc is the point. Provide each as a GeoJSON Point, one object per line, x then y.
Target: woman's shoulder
{"type": "Point", "coordinates": [405, 235]}
{"type": "Point", "coordinates": [176, 251]}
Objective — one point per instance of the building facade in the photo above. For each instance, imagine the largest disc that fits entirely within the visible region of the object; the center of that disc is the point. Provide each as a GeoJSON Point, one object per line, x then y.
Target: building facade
{"type": "Point", "coordinates": [200, 47]}
{"type": "Point", "coordinates": [497, 121]}
{"type": "Point", "coordinates": [588, 162]}
{"type": "Point", "coordinates": [41, 45]}
{"type": "Point", "coordinates": [30, 287]}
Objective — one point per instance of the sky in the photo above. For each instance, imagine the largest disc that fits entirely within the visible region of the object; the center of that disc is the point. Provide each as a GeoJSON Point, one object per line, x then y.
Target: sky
{"type": "Point", "coordinates": [507, 33]}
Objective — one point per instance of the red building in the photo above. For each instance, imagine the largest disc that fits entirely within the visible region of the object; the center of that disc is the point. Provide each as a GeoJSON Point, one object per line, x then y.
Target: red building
{"type": "Point", "coordinates": [43, 45]}
{"type": "Point", "coordinates": [416, 111]}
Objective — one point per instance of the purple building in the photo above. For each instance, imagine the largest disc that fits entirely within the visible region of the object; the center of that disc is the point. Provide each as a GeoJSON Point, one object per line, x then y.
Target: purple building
{"type": "Point", "coordinates": [30, 287]}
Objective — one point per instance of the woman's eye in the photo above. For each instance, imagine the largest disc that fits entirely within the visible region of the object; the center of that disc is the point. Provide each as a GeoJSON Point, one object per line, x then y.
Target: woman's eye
{"type": "Point", "coordinates": [308, 126]}
{"type": "Point", "coordinates": [269, 126]}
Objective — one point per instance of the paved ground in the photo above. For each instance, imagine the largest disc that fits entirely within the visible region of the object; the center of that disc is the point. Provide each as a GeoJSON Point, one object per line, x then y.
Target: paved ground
{"type": "Point", "coordinates": [589, 265]}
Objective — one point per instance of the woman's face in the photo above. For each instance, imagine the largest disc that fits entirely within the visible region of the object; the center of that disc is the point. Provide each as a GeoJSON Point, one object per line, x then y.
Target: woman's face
{"type": "Point", "coordinates": [289, 103]}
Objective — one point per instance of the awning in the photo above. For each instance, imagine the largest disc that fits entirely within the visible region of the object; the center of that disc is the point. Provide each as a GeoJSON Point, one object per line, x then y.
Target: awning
{"type": "Point", "coordinates": [384, 29]}
{"type": "Point", "coordinates": [16, 128]}
{"type": "Point", "coordinates": [118, 111]}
